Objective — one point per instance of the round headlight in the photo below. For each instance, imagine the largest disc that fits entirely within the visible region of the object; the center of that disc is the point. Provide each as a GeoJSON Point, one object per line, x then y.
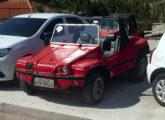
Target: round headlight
{"type": "Point", "coordinates": [29, 66]}
{"type": "Point", "coordinates": [64, 69]}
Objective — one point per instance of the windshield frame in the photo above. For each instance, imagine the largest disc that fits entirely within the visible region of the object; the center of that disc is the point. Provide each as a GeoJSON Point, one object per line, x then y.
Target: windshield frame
{"type": "Point", "coordinates": [98, 44]}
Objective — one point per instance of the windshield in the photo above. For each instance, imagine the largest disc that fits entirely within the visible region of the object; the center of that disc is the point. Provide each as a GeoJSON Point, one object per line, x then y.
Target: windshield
{"type": "Point", "coordinates": [77, 34]}
{"type": "Point", "coordinates": [24, 27]}
{"type": "Point", "coordinates": [107, 24]}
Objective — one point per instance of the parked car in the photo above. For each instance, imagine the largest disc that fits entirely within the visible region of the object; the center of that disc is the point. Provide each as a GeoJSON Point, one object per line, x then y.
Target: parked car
{"type": "Point", "coordinates": [108, 26]}
{"type": "Point", "coordinates": [84, 60]}
{"type": "Point", "coordinates": [156, 72]}
{"type": "Point", "coordinates": [130, 24]}
{"type": "Point", "coordinates": [26, 35]}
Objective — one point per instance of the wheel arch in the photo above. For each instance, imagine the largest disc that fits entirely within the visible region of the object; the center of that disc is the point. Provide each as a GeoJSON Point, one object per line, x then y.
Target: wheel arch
{"type": "Point", "coordinates": [144, 50]}
{"type": "Point", "coordinates": [155, 73]}
{"type": "Point", "coordinates": [27, 55]}
{"type": "Point", "coordinates": [101, 69]}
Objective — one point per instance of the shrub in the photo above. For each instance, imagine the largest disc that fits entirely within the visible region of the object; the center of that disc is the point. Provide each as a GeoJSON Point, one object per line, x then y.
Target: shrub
{"type": "Point", "coordinates": [2, 19]}
{"type": "Point", "coordinates": [37, 6]}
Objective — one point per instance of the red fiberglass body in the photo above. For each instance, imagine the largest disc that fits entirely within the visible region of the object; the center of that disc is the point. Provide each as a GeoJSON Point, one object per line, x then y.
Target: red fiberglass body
{"type": "Point", "coordinates": [79, 60]}
{"type": "Point", "coordinates": [135, 32]}
{"type": "Point", "coordinates": [108, 26]}
{"type": "Point", "coordinates": [103, 33]}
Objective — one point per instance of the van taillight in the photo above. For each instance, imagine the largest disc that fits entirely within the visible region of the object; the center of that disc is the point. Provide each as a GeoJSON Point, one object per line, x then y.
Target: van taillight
{"type": "Point", "coordinates": [151, 55]}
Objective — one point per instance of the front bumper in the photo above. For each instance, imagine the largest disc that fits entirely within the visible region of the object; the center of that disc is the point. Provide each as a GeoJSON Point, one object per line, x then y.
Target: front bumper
{"type": "Point", "coordinates": [7, 68]}
{"type": "Point", "coordinates": [150, 69]}
{"type": "Point", "coordinates": [61, 82]}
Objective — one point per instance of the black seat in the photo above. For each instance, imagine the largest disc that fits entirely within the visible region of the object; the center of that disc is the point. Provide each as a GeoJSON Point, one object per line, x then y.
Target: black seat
{"type": "Point", "coordinates": [114, 46]}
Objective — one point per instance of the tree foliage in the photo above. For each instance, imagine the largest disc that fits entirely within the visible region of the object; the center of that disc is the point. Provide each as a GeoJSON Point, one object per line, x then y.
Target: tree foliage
{"type": "Point", "coordinates": [3, 0]}
{"type": "Point", "coordinates": [37, 6]}
{"type": "Point", "coordinates": [146, 11]}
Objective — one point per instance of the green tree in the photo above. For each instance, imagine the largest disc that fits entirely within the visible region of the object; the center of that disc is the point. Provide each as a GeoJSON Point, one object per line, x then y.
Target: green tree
{"type": "Point", "coordinates": [146, 11]}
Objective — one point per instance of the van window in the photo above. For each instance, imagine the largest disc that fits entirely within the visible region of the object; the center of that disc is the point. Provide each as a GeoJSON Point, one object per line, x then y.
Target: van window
{"type": "Point", "coordinates": [23, 27]}
{"type": "Point", "coordinates": [73, 20]}
{"type": "Point", "coordinates": [51, 25]}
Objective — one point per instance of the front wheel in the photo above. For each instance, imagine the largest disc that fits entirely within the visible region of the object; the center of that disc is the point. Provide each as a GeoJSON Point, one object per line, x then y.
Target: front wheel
{"type": "Point", "coordinates": [16, 80]}
{"type": "Point", "coordinates": [158, 89]}
{"type": "Point", "coordinates": [94, 88]}
{"type": "Point", "coordinates": [26, 87]}
{"type": "Point", "coordinates": [138, 73]}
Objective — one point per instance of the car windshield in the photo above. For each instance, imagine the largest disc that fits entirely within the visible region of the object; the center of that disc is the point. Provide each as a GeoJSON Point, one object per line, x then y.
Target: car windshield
{"type": "Point", "coordinates": [24, 27]}
{"type": "Point", "coordinates": [107, 24]}
{"type": "Point", "coordinates": [76, 34]}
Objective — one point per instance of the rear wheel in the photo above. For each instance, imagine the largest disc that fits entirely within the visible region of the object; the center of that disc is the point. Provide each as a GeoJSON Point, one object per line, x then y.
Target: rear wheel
{"type": "Point", "coordinates": [26, 87]}
{"type": "Point", "coordinates": [94, 88]}
{"type": "Point", "coordinates": [138, 73]}
{"type": "Point", "coordinates": [158, 89]}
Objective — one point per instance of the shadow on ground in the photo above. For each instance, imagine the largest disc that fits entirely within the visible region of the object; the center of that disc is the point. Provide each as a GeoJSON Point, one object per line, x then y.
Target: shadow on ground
{"type": "Point", "coordinates": [9, 86]}
{"type": "Point", "coordinates": [119, 93]}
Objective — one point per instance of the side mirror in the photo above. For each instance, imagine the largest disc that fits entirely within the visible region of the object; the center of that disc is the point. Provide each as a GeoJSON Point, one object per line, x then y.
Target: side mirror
{"type": "Point", "coordinates": [46, 35]}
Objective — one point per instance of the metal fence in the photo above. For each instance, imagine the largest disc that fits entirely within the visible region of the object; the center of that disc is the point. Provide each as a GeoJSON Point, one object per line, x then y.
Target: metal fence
{"type": "Point", "coordinates": [6, 13]}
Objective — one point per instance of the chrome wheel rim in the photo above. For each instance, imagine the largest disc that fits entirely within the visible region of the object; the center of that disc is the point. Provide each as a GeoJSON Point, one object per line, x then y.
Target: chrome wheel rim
{"type": "Point", "coordinates": [160, 90]}
{"type": "Point", "coordinates": [142, 67]}
{"type": "Point", "coordinates": [98, 88]}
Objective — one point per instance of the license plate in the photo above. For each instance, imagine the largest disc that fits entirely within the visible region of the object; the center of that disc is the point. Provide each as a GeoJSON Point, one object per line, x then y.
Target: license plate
{"type": "Point", "coordinates": [44, 82]}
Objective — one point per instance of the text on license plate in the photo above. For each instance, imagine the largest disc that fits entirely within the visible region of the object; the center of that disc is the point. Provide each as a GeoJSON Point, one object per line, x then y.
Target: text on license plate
{"type": "Point", "coordinates": [44, 82]}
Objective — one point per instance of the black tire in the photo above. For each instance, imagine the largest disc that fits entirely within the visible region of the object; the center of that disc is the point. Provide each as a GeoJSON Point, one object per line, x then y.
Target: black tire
{"type": "Point", "coordinates": [16, 80]}
{"type": "Point", "coordinates": [26, 87]}
{"type": "Point", "coordinates": [142, 35]}
{"type": "Point", "coordinates": [160, 91]}
{"type": "Point", "coordinates": [94, 79]}
{"type": "Point", "coordinates": [138, 73]}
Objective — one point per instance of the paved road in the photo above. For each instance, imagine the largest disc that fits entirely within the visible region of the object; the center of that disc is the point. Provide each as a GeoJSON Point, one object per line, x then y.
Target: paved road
{"type": "Point", "coordinates": [122, 100]}
{"type": "Point", "coordinates": [153, 44]}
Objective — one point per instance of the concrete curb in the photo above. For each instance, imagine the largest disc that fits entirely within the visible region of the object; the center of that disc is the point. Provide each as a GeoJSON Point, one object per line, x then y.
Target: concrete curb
{"type": "Point", "coordinates": [12, 112]}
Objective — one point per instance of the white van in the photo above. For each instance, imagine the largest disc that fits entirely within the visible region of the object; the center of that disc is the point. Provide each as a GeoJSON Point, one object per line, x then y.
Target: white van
{"type": "Point", "coordinates": [156, 71]}
{"type": "Point", "coordinates": [26, 35]}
